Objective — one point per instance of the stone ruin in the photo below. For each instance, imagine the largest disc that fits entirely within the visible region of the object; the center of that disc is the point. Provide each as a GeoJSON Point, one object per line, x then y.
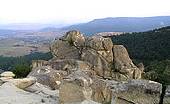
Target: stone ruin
{"type": "Point", "coordinates": [95, 69]}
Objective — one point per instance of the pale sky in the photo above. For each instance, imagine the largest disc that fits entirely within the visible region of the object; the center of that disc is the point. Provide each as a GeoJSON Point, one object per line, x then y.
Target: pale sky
{"type": "Point", "coordinates": [72, 11]}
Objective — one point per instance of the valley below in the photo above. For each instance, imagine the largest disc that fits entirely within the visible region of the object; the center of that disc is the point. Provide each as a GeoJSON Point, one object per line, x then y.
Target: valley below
{"type": "Point", "coordinates": [20, 43]}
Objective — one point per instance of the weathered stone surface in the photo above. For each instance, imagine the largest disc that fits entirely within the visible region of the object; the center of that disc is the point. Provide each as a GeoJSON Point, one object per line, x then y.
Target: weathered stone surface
{"type": "Point", "coordinates": [47, 76]}
{"type": "Point", "coordinates": [64, 50]}
{"type": "Point", "coordinates": [23, 83]}
{"type": "Point", "coordinates": [101, 91]}
{"type": "Point", "coordinates": [84, 102]}
{"type": "Point", "coordinates": [123, 63]}
{"type": "Point", "coordinates": [83, 85]}
{"type": "Point", "coordinates": [69, 65]}
{"type": "Point", "coordinates": [75, 88]}
{"type": "Point", "coordinates": [136, 92]}
{"type": "Point", "coordinates": [83, 67]}
{"type": "Point", "coordinates": [10, 94]}
{"type": "Point", "coordinates": [101, 45]}
{"type": "Point", "coordinates": [75, 38]}
{"type": "Point", "coordinates": [42, 89]}
{"type": "Point", "coordinates": [107, 60]}
{"type": "Point", "coordinates": [38, 63]}
{"type": "Point", "coordinates": [119, 77]}
{"type": "Point", "coordinates": [100, 65]}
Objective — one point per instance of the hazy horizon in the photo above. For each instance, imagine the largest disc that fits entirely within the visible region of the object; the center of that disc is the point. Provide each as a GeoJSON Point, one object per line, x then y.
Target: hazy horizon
{"type": "Point", "coordinates": [77, 11]}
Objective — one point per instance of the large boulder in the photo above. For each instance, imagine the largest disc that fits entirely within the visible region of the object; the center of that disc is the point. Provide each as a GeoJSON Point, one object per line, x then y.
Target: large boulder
{"type": "Point", "coordinates": [123, 63]}
{"type": "Point", "coordinates": [64, 50]}
{"type": "Point", "coordinates": [75, 88]}
{"type": "Point", "coordinates": [74, 38]}
{"type": "Point", "coordinates": [100, 65]}
{"type": "Point", "coordinates": [84, 85]}
{"type": "Point", "coordinates": [101, 45]}
{"type": "Point", "coordinates": [47, 76]}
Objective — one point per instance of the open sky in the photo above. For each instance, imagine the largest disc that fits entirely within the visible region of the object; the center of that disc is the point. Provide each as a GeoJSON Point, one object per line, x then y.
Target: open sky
{"type": "Point", "coordinates": [74, 11]}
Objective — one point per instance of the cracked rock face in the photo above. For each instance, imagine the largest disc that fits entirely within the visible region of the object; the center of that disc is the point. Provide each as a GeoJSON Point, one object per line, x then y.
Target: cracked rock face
{"type": "Point", "coordinates": [47, 76]}
{"type": "Point", "coordinates": [136, 92]}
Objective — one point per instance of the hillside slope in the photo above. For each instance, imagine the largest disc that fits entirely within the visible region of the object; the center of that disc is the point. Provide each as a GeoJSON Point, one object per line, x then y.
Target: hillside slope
{"type": "Point", "coordinates": [150, 45]}
{"type": "Point", "coordinates": [121, 24]}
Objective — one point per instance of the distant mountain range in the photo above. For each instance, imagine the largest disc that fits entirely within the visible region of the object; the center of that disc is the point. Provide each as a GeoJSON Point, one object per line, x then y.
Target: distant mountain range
{"type": "Point", "coordinates": [118, 24]}
{"type": "Point", "coordinates": [121, 24]}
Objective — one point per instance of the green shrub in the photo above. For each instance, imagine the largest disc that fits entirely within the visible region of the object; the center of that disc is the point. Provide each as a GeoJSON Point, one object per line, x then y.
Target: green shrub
{"type": "Point", "coordinates": [21, 71]}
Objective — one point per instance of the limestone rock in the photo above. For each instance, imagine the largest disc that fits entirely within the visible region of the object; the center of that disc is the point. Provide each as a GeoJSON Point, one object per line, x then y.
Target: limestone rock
{"type": "Point", "coordinates": [136, 92]}
{"type": "Point", "coordinates": [123, 63]}
{"type": "Point", "coordinates": [7, 74]}
{"type": "Point", "coordinates": [38, 63]}
{"type": "Point", "coordinates": [75, 88]}
{"type": "Point", "coordinates": [100, 65]}
{"type": "Point", "coordinates": [101, 45]}
{"type": "Point", "coordinates": [10, 94]}
{"type": "Point", "coordinates": [42, 89]}
{"type": "Point", "coordinates": [69, 65]}
{"type": "Point", "coordinates": [82, 85]}
{"type": "Point", "coordinates": [23, 83]}
{"type": "Point", "coordinates": [47, 76]}
{"type": "Point", "coordinates": [75, 38]}
{"type": "Point", "coordinates": [101, 92]}
{"type": "Point", "coordinates": [64, 50]}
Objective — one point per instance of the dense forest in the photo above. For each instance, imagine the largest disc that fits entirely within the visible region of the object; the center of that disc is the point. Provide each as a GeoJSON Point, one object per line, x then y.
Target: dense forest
{"type": "Point", "coordinates": [146, 46]}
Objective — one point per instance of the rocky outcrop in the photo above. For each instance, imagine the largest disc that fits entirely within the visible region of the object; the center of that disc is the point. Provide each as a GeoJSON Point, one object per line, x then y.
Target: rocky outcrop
{"type": "Point", "coordinates": [38, 63]}
{"type": "Point", "coordinates": [82, 85]}
{"type": "Point", "coordinates": [94, 70]}
{"type": "Point", "coordinates": [107, 60]}
{"type": "Point", "coordinates": [123, 63]}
